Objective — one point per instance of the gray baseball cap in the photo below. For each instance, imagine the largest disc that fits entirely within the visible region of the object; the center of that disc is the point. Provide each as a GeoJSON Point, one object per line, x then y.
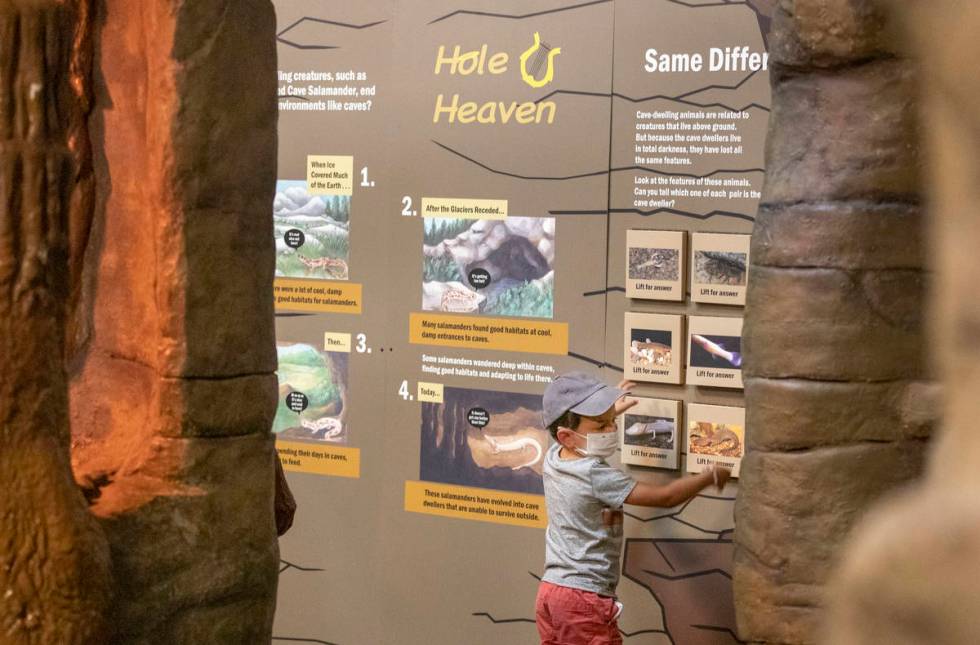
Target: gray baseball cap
{"type": "Point", "coordinates": [579, 392]}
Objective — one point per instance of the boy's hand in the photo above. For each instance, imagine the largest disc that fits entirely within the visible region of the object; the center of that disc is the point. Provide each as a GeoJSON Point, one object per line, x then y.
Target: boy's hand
{"type": "Point", "coordinates": [721, 476]}
{"type": "Point", "coordinates": [625, 403]}
{"type": "Point", "coordinates": [626, 384]}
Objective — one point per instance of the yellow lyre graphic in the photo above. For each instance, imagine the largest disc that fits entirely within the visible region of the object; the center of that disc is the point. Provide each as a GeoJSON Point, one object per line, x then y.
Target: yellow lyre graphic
{"type": "Point", "coordinates": [538, 51]}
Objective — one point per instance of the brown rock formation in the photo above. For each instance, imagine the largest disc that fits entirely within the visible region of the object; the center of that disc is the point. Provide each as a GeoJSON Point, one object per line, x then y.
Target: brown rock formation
{"type": "Point", "coordinates": [910, 574]}
{"type": "Point", "coordinates": [139, 202]}
{"type": "Point", "coordinates": [837, 395]}
{"type": "Point", "coordinates": [54, 564]}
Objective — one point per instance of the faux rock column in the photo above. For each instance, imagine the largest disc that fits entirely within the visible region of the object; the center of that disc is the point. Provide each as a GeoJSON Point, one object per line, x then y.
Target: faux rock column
{"type": "Point", "coordinates": [911, 573]}
{"type": "Point", "coordinates": [836, 396]}
{"type": "Point", "coordinates": [54, 561]}
{"type": "Point", "coordinates": [173, 387]}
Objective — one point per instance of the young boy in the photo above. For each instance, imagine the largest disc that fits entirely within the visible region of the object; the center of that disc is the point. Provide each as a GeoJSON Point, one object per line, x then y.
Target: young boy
{"type": "Point", "coordinates": [576, 603]}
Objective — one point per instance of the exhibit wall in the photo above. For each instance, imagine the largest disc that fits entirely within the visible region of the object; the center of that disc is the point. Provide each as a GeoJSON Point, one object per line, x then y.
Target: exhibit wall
{"type": "Point", "coordinates": [472, 199]}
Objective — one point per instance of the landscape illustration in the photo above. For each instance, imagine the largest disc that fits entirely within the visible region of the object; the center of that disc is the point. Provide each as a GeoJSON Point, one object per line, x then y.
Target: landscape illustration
{"type": "Point", "coordinates": [312, 232]}
{"type": "Point", "coordinates": [312, 394]}
{"type": "Point", "coordinates": [506, 453]}
{"type": "Point", "coordinates": [485, 266]}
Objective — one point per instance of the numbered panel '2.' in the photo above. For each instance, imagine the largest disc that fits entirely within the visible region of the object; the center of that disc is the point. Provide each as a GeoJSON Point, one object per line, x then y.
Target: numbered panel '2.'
{"type": "Point", "coordinates": [502, 267]}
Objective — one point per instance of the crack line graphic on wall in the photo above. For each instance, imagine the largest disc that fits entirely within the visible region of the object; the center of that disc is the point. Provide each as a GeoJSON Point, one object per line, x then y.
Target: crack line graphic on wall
{"type": "Point", "coordinates": [321, 21]}
{"type": "Point", "coordinates": [507, 16]}
{"type": "Point", "coordinates": [762, 18]}
{"type": "Point", "coordinates": [290, 639]}
{"type": "Point", "coordinates": [594, 361]}
{"type": "Point", "coordinates": [598, 173]}
{"type": "Point", "coordinates": [643, 99]}
{"type": "Point", "coordinates": [289, 565]}
{"type": "Point", "coordinates": [646, 213]}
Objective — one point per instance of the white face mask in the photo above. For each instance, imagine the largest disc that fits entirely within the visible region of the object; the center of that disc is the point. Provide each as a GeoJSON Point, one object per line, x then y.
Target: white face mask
{"type": "Point", "coordinates": [598, 444]}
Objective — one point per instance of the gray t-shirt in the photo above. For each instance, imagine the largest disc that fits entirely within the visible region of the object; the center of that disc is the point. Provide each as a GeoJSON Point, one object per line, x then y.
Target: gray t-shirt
{"type": "Point", "coordinates": [584, 537]}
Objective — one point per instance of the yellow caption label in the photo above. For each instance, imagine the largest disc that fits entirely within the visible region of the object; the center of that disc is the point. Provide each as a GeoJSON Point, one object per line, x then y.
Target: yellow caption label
{"type": "Point", "coordinates": [480, 504]}
{"type": "Point", "coordinates": [464, 208]}
{"type": "Point", "coordinates": [336, 461]}
{"type": "Point", "coordinates": [430, 392]}
{"type": "Point", "coordinates": [296, 294]}
{"type": "Point", "coordinates": [504, 334]}
{"type": "Point", "coordinates": [328, 175]}
{"type": "Point", "coordinates": [334, 342]}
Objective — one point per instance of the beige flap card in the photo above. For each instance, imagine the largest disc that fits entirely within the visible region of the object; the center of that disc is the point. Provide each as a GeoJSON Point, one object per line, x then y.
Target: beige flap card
{"type": "Point", "coordinates": [654, 348]}
{"type": "Point", "coordinates": [651, 432]}
{"type": "Point", "coordinates": [719, 267]}
{"type": "Point", "coordinates": [715, 435]}
{"type": "Point", "coordinates": [714, 353]}
{"type": "Point", "coordinates": [655, 264]}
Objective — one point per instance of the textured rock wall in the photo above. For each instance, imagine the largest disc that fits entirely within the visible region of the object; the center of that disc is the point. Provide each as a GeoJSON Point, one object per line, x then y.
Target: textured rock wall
{"type": "Point", "coordinates": [836, 389]}
{"type": "Point", "coordinates": [54, 561]}
{"type": "Point", "coordinates": [910, 574]}
{"type": "Point", "coordinates": [173, 387]}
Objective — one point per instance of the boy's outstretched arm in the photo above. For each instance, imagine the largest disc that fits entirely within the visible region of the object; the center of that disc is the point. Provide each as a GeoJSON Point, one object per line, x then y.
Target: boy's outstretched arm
{"type": "Point", "coordinates": [677, 492]}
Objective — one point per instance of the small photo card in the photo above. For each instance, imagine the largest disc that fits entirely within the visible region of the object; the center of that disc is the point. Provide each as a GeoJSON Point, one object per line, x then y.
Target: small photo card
{"type": "Point", "coordinates": [655, 264]}
{"type": "Point", "coordinates": [714, 356]}
{"type": "Point", "coordinates": [715, 435]}
{"type": "Point", "coordinates": [719, 267]}
{"type": "Point", "coordinates": [654, 348]}
{"type": "Point", "coordinates": [651, 431]}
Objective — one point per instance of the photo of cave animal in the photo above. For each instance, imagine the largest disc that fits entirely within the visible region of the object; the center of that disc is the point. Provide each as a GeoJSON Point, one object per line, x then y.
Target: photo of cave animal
{"type": "Point", "coordinates": [718, 439]}
{"type": "Point", "coordinates": [312, 394]}
{"type": "Point", "coordinates": [715, 351]}
{"type": "Point", "coordinates": [718, 267]}
{"type": "Point", "coordinates": [654, 264]}
{"type": "Point", "coordinates": [649, 432]}
{"type": "Point", "coordinates": [485, 266]}
{"type": "Point", "coordinates": [312, 233]}
{"type": "Point", "coordinates": [651, 347]}
{"type": "Point", "coordinates": [506, 453]}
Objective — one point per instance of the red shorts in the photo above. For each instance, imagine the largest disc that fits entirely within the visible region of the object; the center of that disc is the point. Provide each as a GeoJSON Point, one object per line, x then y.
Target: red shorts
{"type": "Point", "coordinates": [567, 616]}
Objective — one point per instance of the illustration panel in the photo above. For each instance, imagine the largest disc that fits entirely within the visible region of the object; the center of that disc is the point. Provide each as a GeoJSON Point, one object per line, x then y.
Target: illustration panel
{"type": "Point", "coordinates": [650, 433]}
{"type": "Point", "coordinates": [720, 264]}
{"type": "Point", "coordinates": [493, 267]}
{"type": "Point", "coordinates": [715, 435]}
{"type": "Point", "coordinates": [312, 394]}
{"type": "Point", "coordinates": [654, 348]}
{"type": "Point", "coordinates": [715, 351]}
{"type": "Point", "coordinates": [312, 232]}
{"type": "Point", "coordinates": [655, 264]}
{"type": "Point", "coordinates": [485, 440]}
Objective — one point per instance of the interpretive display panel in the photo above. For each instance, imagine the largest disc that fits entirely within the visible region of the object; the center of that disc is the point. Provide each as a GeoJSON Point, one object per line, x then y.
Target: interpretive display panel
{"type": "Point", "coordinates": [655, 348]}
{"type": "Point", "coordinates": [651, 432]}
{"type": "Point", "coordinates": [719, 267]}
{"type": "Point", "coordinates": [457, 186]}
{"type": "Point", "coordinates": [655, 264]}
{"type": "Point", "coordinates": [714, 355]}
{"type": "Point", "coordinates": [715, 435]}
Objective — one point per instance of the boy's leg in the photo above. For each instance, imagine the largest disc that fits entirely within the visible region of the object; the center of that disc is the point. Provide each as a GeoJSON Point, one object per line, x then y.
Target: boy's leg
{"type": "Point", "coordinates": [542, 614]}
{"type": "Point", "coordinates": [577, 617]}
